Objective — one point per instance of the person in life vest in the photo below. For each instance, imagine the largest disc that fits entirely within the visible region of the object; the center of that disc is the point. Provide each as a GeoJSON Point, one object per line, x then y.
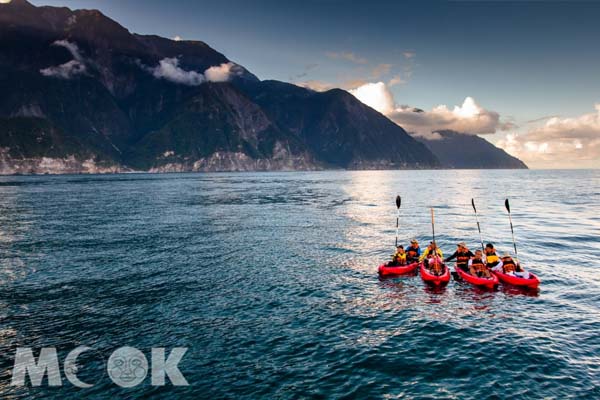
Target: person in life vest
{"type": "Point", "coordinates": [430, 251]}
{"type": "Point", "coordinates": [433, 259]}
{"type": "Point", "coordinates": [413, 252]}
{"type": "Point", "coordinates": [510, 267]}
{"type": "Point", "coordinates": [398, 258]}
{"type": "Point", "coordinates": [435, 263]}
{"type": "Point", "coordinates": [492, 260]}
{"type": "Point", "coordinates": [462, 255]}
{"type": "Point", "coordinates": [477, 266]}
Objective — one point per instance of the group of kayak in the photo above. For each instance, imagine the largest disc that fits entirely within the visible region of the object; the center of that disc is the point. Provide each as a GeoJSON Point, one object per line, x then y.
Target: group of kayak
{"type": "Point", "coordinates": [482, 268]}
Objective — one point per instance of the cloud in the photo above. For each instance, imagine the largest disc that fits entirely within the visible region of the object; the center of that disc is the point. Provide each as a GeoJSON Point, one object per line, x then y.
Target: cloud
{"type": "Point", "coordinates": [223, 72]}
{"type": "Point", "coordinates": [65, 71]}
{"type": "Point", "coordinates": [72, 47]}
{"type": "Point", "coordinates": [564, 140]}
{"type": "Point", "coordinates": [379, 70]}
{"type": "Point", "coordinates": [352, 83]}
{"type": "Point", "coordinates": [396, 80]}
{"type": "Point", "coordinates": [470, 117]}
{"type": "Point", "coordinates": [322, 86]}
{"type": "Point", "coordinates": [220, 73]}
{"type": "Point", "coordinates": [169, 69]}
{"type": "Point", "coordinates": [533, 121]}
{"type": "Point", "coordinates": [69, 69]}
{"type": "Point", "coordinates": [375, 95]}
{"type": "Point", "coordinates": [317, 86]}
{"type": "Point", "coordinates": [346, 55]}
{"type": "Point", "coordinates": [396, 73]}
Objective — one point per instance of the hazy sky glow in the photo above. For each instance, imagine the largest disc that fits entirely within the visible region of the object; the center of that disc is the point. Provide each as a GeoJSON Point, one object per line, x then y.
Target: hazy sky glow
{"type": "Point", "coordinates": [525, 75]}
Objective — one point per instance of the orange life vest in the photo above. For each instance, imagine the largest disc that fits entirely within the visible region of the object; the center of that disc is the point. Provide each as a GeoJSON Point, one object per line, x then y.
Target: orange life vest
{"type": "Point", "coordinates": [478, 264]}
{"type": "Point", "coordinates": [435, 264]}
{"type": "Point", "coordinates": [462, 257]}
{"type": "Point", "coordinates": [412, 252]}
{"type": "Point", "coordinates": [508, 265]}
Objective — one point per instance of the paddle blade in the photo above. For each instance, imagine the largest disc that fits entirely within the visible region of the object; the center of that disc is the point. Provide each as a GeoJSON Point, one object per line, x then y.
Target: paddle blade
{"type": "Point", "coordinates": [473, 204]}
{"type": "Point", "coordinates": [507, 205]}
{"type": "Point", "coordinates": [398, 201]}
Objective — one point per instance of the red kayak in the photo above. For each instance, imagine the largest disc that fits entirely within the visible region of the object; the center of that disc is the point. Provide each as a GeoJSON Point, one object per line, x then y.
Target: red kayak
{"type": "Point", "coordinates": [532, 282]}
{"type": "Point", "coordinates": [489, 283]}
{"type": "Point", "coordinates": [385, 270]}
{"type": "Point", "coordinates": [438, 280]}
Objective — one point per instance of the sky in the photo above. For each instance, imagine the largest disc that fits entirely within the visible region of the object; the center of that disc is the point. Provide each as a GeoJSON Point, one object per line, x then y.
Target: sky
{"type": "Point", "coordinates": [524, 75]}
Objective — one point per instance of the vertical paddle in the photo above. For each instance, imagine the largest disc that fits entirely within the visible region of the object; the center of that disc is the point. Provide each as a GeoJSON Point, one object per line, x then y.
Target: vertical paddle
{"type": "Point", "coordinates": [507, 205]}
{"type": "Point", "coordinates": [398, 202]}
{"type": "Point", "coordinates": [433, 224]}
{"type": "Point", "coordinates": [433, 233]}
{"type": "Point", "coordinates": [478, 226]}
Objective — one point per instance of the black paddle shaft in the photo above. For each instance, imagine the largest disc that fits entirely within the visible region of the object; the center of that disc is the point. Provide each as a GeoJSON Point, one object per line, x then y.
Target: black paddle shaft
{"type": "Point", "coordinates": [398, 203]}
{"type": "Point", "coordinates": [478, 226]}
{"type": "Point", "coordinates": [512, 231]}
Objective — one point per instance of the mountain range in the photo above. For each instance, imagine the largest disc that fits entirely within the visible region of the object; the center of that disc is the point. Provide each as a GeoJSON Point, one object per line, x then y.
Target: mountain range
{"type": "Point", "coordinates": [465, 151]}
{"type": "Point", "coordinates": [82, 94]}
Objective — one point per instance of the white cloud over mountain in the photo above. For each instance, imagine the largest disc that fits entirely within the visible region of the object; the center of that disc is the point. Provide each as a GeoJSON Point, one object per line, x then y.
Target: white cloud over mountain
{"type": "Point", "coordinates": [69, 69]}
{"type": "Point", "coordinates": [558, 140]}
{"type": "Point", "coordinates": [469, 117]}
{"type": "Point", "coordinates": [223, 72]}
{"type": "Point", "coordinates": [377, 96]}
{"type": "Point", "coordinates": [316, 85]}
{"type": "Point", "coordinates": [571, 141]}
{"type": "Point", "coordinates": [169, 69]}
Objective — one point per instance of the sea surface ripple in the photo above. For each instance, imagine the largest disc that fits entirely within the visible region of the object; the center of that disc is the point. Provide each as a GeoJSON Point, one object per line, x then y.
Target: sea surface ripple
{"type": "Point", "coordinates": [270, 280]}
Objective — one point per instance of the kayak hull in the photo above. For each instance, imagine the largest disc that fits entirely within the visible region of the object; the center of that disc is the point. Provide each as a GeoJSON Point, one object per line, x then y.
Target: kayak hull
{"type": "Point", "coordinates": [490, 283]}
{"type": "Point", "coordinates": [533, 282]}
{"type": "Point", "coordinates": [436, 280]}
{"type": "Point", "coordinates": [384, 270]}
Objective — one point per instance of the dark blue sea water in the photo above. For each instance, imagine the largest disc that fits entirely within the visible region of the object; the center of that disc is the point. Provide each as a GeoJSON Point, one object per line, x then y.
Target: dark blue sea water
{"type": "Point", "coordinates": [270, 280]}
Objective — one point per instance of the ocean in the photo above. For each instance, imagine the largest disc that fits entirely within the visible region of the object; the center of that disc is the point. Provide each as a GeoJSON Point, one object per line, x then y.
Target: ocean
{"type": "Point", "coordinates": [269, 280]}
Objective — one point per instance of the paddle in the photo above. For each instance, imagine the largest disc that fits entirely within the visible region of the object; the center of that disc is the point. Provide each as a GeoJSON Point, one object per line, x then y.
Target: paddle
{"type": "Point", "coordinates": [433, 224]}
{"type": "Point", "coordinates": [507, 205]}
{"type": "Point", "coordinates": [478, 226]}
{"type": "Point", "coordinates": [433, 233]}
{"type": "Point", "coordinates": [398, 202]}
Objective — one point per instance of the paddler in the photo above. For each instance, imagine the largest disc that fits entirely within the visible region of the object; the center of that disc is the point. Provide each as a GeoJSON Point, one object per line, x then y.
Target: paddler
{"type": "Point", "coordinates": [431, 249]}
{"type": "Point", "coordinates": [510, 267]}
{"type": "Point", "coordinates": [413, 252]}
{"type": "Point", "coordinates": [432, 257]}
{"type": "Point", "coordinates": [477, 265]}
{"type": "Point", "coordinates": [398, 258]}
{"type": "Point", "coordinates": [462, 255]}
{"type": "Point", "coordinates": [492, 259]}
{"type": "Point", "coordinates": [435, 264]}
